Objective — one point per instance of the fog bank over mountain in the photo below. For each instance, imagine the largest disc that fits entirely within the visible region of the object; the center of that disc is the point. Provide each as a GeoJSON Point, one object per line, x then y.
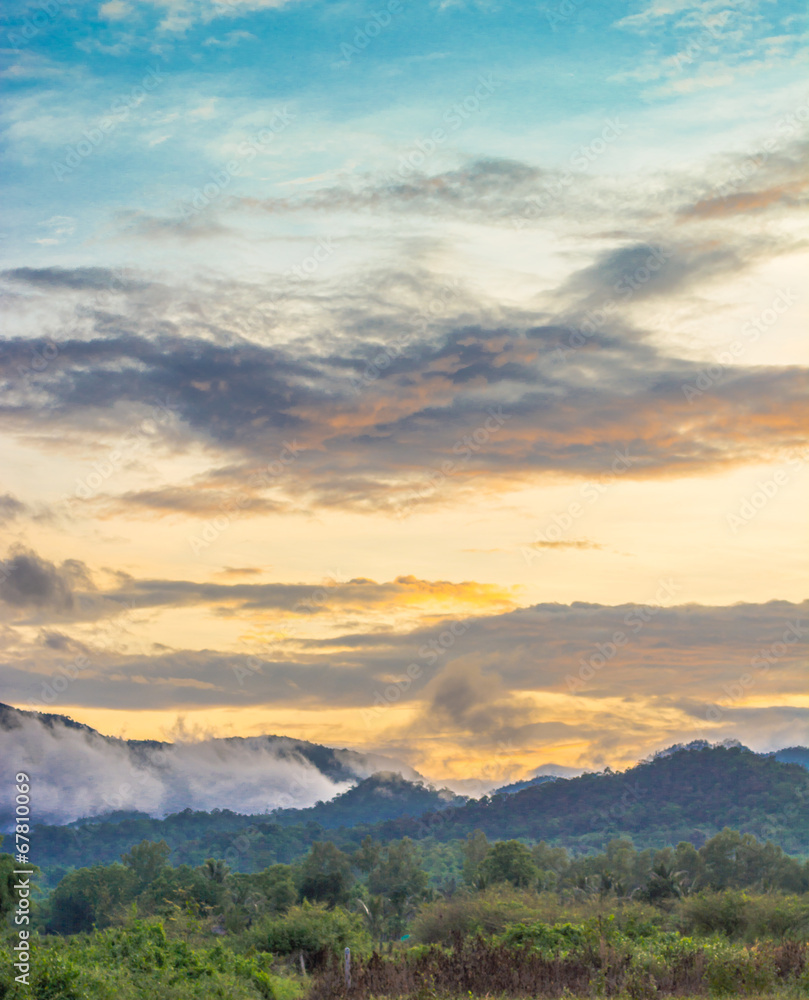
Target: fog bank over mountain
{"type": "Point", "coordinates": [76, 771]}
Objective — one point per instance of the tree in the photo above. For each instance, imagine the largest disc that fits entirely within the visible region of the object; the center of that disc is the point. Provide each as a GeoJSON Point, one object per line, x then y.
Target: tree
{"type": "Point", "coordinates": [664, 883]}
{"type": "Point", "coordinates": [687, 860]}
{"type": "Point", "coordinates": [475, 850]}
{"type": "Point", "coordinates": [400, 878]}
{"type": "Point", "coordinates": [325, 875]}
{"type": "Point", "coordinates": [215, 870]}
{"type": "Point", "coordinates": [551, 863]}
{"type": "Point", "coordinates": [719, 858]}
{"type": "Point", "coordinates": [270, 891]}
{"type": "Point", "coordinates": [8, 899]}
{"type": "Point", "coordinates": [91, 897]}
{"type": "Point", "coordinates": [510, 861]}
{"type": "Point", "coordinates": [366, 857]}
{"type": "Point", "coordinates": [147, 860]}
{"type": "Point", "coordinates": [309, 930]}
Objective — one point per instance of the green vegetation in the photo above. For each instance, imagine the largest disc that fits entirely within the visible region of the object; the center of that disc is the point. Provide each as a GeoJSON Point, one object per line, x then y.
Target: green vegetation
{"type": "Point", "coordinates": [141, 962]}
{"type": "Point", "coordinates": [428, 917]}
{"type": "Point", "coordinates": [494, 918]}
{"type": "Point", "coordinates": [687, 795]}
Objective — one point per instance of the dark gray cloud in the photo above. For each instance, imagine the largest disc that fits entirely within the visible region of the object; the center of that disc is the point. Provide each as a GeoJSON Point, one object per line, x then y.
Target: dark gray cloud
{"type": "Point", "coordinates": [358, 422]}
{"type": "Point", "coordinates": [96, 279]}
{"type": "Point", "coordinates": [30, 582]}
{"type": "Point", "coordinates": [11, 508]}
{"type": "Point", "coordinates": [639, 271]}
{"type": "Point", "coordinates": [676, 661]}
{"type": "Point", "coordinates": [463, 703]}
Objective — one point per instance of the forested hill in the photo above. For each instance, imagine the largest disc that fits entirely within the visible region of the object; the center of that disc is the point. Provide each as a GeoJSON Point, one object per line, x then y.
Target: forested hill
{"type": "Point", "coordinates": [381, 797]}
{"type": "Point", "coordinates": [687, 794]}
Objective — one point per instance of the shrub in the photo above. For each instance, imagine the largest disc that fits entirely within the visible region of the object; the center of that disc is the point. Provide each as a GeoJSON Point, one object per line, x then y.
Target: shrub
{"type": "Point", "coordinates": [310, 929]}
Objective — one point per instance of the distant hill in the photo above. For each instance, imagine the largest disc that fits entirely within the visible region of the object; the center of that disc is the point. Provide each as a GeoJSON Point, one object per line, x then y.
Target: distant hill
{"type": "Point", "coordinates": [688, 793]}
{"type": "Point", "coordinates": [383, 796]}
{"type": "Point", "coordinates": [793, 755]}
{"type": "Point", "coordinates": [80, 772]}
{"type": "Point", "coordinates": [519, 786]}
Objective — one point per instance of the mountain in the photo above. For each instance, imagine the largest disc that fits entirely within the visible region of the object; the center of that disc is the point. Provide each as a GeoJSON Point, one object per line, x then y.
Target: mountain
{"type": "Point", "coordinates": [78, 772]}
{"type": "Point", "coordinates": [383, 796]}
{"type": "Point", "coordinates": [518, 786]}
{"type": "Point", "coordinates": [684, 793]}
{"type": "Point", "coordinates": [793, 755]}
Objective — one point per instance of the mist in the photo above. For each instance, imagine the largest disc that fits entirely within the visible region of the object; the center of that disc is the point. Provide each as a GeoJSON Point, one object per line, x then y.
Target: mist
{"type": "Point", "coordinates": [76, 772]}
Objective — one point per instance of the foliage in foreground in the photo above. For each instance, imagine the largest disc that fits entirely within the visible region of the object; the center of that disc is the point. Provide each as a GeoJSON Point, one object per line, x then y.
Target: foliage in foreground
{"type": "Point", "coordinates": [140, 962]}
{"type": "Point", "coordinates": [737, 916]}
{"type": "Point", "coordinates": [590, 959]}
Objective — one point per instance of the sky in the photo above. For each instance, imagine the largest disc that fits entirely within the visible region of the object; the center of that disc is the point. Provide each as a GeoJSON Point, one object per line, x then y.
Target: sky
{"type": "Point", "coordinates": [421, 378]}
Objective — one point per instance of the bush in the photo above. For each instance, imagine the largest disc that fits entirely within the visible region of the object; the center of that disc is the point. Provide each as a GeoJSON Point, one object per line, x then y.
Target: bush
{"type": "Point", "coordinates": [140, 963]}
{"type": "Point", "coordinates": [310, 929]}
{"type": "Point", "coordinates": [738, 916]}
{"type": "Point", "coordinates": [495, 909]}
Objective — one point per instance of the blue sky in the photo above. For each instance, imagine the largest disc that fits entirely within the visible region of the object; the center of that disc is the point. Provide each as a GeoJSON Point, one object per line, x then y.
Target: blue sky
{"type": "Point", "coordinates": [222, 72]}
{"type": "Point", "coordinates": [436, 266]}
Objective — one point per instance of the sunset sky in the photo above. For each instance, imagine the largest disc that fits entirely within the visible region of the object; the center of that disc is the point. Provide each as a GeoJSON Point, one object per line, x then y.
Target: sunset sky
{"type": "Point", "coordinates": [420, 377]}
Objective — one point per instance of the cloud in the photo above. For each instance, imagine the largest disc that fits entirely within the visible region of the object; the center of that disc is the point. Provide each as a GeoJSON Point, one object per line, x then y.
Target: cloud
{"type": "Point", "coordinates": [250, 775]}
{"type": "Point", "coordinates": [640, 271]}
{"type": "Point", "coordinates": [463, 703]}
{"type": "Point", "coordinates": [672, 655]}
{"type": "Point", "coordinates": [30, 582]}
{"type": "Point", "coordinates": [304, 599]}
{"type": "Point", "coordinates": [231, 39]}
{"type": "Point", "coordinates": [771, 178]}
{"type": "Point", "coordinates": [591, 682]}
{"type": "Point", "coordinates": [574, 543]}
{"type": "Point", "coordinates": [10, 508]}
{"type": "Point", "coordinates": [74, 278]}
{"type": "Point", "coordinates": [403, 416]}
{"type": "Point", "coordinates": [33, 583]}
{"type": "Point", "coordinates": [114, 10]}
